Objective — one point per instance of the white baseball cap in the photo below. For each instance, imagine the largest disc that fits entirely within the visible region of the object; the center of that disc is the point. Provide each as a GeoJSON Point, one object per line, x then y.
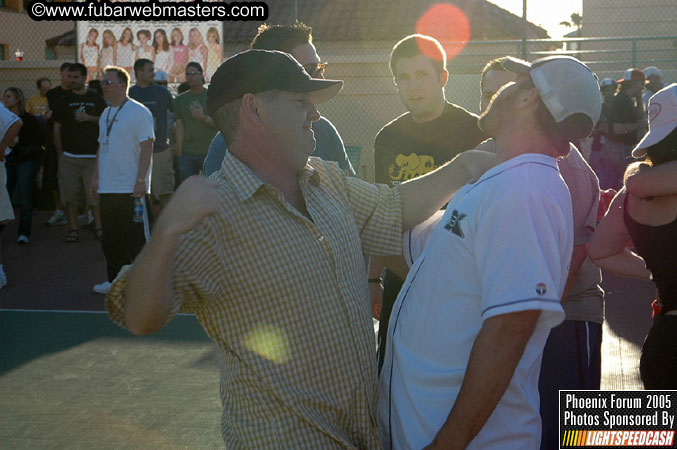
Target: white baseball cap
{"type": "Point", "coordinates": [662, 114]}
{"type": "Point", "coordinates": [652, 70]}
{"type": "Point", "coordinates": [567, 87]}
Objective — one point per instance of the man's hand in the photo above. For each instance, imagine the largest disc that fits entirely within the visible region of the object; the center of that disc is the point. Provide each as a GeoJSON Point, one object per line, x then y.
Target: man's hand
{"type": "Point", "coordinates": [376, 297]}
{"type": "Point", "coordinates": [194, 200]}
{"type": "Point", "coordinates": [139, 189]}
{"type": "Point", "coordinates": [196, 111]}
{"type": "Point", "coordinates": [82, 116]}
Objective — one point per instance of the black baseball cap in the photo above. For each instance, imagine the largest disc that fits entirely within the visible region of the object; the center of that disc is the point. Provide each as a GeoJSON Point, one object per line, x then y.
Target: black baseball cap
{"type": "Point", "coordinates": [254, 71]}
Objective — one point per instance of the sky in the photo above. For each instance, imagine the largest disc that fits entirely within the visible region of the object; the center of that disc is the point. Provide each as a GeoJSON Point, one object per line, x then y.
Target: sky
{"type": "Point", "coordinates": [545, 13]}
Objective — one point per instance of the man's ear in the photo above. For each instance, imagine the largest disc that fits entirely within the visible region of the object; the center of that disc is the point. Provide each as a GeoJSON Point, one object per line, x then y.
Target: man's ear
{"type": "Point", "coordinates": [250, 108]}
{"type": "Point", "coordinates": [529, 98]}
{"type": "Point", "coordinates": [444, 77]}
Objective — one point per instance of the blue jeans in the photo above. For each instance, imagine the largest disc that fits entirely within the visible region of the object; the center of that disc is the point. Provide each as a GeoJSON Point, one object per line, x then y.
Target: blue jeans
{"type": "Point", "coordinates": [572, 359]}
{"type": "Point", "coordinates": [190, 165]}
{"type": "Point", "coordinates": [21, 176]}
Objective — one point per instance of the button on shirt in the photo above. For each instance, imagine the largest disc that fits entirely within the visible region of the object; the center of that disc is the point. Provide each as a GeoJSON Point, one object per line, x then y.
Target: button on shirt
{"type": "Point", "coordinates": [503, 245]}
{"type": "Point", "coordinates": [286, 300]}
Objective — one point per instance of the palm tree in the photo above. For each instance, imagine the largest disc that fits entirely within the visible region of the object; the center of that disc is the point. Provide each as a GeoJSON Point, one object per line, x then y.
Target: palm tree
{"type": "Point", "coordinates": [576, 21]}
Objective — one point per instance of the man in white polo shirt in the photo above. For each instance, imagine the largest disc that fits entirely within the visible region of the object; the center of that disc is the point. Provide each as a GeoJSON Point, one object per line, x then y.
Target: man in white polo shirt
{"type": "Point", "coordinates": [467, 331]}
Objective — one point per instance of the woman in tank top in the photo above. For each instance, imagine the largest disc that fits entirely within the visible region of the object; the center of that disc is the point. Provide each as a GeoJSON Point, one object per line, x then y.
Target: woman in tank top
{"type": "Point", "coordinates": [145, 50]}
{"type": "Point", "coordinates": [215, 53]}
{"type": "Point", "coordinates": [644, 215]}
{"type": "Point", "coordinates": [108, 53]}
{"type": "Point", "coordinates": [197, 50]}
{"type": "Point", "coordinates": [161, 46]}
{"type": "Point", "coordinates": [89, 54]}
{"type": "Point", "coordinates": [179, 57]}
{"type": "Point", "coordinates": [126, 51]}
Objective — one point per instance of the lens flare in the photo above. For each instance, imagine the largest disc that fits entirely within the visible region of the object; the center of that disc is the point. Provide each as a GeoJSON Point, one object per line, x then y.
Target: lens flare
{"type": "Point", "coordinates": [269, 342]}
{"type": "Point", "coordinates": [448, 24]}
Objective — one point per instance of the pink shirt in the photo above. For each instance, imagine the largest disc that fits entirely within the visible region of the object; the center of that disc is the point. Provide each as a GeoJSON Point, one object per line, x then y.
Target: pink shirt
{"type": "Point", "coordinates": [180, 53]}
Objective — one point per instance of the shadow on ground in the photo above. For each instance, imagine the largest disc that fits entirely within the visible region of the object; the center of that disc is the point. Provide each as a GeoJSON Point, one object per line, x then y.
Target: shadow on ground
{"type": "Point", "coordinates": [25, 335]}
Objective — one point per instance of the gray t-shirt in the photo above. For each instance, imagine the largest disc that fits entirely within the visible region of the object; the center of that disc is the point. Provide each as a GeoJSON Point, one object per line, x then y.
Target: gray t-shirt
{"type": "Point", "coordinates": [586, 298]}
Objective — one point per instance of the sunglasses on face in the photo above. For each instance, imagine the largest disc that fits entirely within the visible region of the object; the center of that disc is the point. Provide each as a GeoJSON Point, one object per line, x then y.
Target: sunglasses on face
{"type": "Point", "coordinates": [315, 69]}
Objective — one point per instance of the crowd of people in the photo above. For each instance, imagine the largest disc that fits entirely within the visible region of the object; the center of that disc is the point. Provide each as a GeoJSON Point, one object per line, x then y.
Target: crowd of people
{"type": "Point", "coordinates": [479, 248]}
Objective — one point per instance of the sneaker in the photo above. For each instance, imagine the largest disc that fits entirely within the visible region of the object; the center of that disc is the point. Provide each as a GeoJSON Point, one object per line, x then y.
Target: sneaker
{"type": "Point", "coordinates": [58, 218]}
{"type": "Point", "coordinates": [102, 288]}
{"type": "Point", "coordinates": [3, 280]}
{"type": "Point", "coordinates": [23, 239]}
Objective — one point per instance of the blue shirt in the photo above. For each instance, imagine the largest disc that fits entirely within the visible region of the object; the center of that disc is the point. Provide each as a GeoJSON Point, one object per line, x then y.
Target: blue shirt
{"type": "Point", "coordinates": [329, 147]}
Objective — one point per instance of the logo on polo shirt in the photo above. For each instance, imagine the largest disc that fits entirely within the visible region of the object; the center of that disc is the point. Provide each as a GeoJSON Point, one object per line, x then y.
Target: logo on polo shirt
{"type": "Point", "coordinates": [541, 289]}
{"type": "Point", "coordinates": [454, 223]}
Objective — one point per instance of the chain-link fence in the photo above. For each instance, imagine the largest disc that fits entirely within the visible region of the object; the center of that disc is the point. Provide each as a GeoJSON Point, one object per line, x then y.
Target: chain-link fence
{"type": "Point", "coordinates": [369, 99]}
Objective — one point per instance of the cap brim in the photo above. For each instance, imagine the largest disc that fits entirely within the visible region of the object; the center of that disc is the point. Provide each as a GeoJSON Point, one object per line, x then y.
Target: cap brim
{"type": "Point", "coordinates": [654, 136]}
{"type": "Point", "coordinates": [517, 66]}
{"type": "Point", "coordinates": [320, 90]}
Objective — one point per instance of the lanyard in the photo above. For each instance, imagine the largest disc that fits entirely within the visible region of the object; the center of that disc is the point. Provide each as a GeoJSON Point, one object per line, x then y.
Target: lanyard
{"type": "Point", "coordinates": [109, 125]}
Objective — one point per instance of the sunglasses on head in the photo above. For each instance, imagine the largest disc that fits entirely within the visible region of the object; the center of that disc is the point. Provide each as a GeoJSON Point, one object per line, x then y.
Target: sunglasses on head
{"type": "Point", "coordinates": [315, 69]}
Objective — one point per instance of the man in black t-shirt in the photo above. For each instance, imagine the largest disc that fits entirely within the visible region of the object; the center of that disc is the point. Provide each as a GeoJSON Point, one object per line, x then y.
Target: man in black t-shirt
{"type": "Point", "coordinates": [76, 135]}
{"type": "Point", "coordinates": [51, 168]}
{"type": "Point", "coordinates": [431, 133]}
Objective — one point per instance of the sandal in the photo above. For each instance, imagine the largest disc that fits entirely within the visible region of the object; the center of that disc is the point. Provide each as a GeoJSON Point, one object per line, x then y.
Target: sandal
{"type": "Point", "coordinates": [98, 234]}
{"type": "Point", "coordinates": [73, 236]}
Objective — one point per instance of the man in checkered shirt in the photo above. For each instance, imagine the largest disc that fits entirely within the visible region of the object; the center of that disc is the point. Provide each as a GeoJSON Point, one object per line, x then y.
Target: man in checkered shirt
{"type": "Point", "coordinates": [268, 254]}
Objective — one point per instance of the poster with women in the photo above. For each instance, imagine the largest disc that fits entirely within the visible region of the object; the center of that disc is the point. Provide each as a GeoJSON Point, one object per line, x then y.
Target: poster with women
{"type": "Point", "coordinates": [170, 45]}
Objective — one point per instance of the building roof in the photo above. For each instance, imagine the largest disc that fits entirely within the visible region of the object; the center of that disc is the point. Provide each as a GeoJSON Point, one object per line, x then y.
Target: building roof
{"type": "Point", "coordinates": [367, 20]}
{"type": "Point", "coordinates": [65, 39]}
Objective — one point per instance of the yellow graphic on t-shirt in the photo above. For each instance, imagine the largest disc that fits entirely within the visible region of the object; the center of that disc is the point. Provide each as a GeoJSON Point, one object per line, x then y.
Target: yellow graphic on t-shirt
{"type": "Point", "coordinates": [412, 166]}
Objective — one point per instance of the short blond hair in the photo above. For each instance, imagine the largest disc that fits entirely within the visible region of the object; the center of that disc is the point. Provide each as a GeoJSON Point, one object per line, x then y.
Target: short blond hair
{"type": "Point", "coordinates": [123, 76]}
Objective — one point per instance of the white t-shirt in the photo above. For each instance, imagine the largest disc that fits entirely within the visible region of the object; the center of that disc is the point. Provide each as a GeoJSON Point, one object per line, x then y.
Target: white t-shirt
{"type": "Point", "coordinates": [7, 119]}
{"type": "Point", "coordinates": [119, 152]}
{"type": "Point", "coordinates": [503, 245]}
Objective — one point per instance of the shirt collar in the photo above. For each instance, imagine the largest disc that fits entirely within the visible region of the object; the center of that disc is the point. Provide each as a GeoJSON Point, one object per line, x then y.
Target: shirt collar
{"type": "Point", "coordinates": [243, 179]}
{"type": "Point", "coordinates": [245, 182]}
{"type": "Point", "coordinates": [308, 175]}
{"type": "Point", "coordinates": [524, 158]}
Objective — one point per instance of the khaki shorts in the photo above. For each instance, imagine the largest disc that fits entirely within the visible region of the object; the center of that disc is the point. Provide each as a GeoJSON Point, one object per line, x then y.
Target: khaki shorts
{"type": "Point", "coordinates": [162, 177]}
{"type": "Point", "coordinates": [6, 211]}
{"type": "Point", "coordinates": [76, 174]}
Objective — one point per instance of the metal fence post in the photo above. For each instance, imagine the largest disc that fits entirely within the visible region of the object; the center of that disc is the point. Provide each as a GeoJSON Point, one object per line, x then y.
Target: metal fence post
{"type": "Point", "coordinates": [524, 29]}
